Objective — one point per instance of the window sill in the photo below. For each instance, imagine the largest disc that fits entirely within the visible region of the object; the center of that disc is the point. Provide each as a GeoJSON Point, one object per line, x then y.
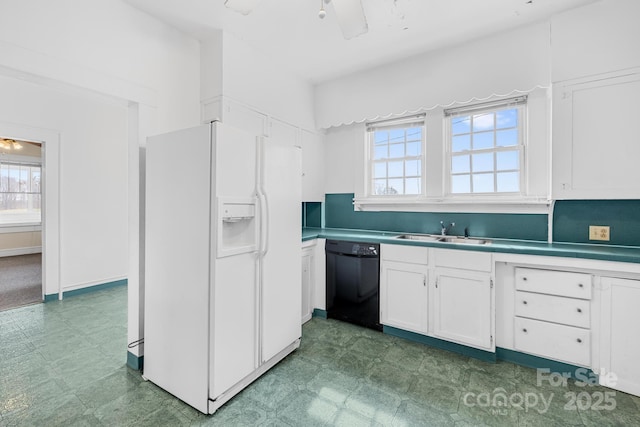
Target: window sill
{"type": "Point", "coordinates": [470, 205]}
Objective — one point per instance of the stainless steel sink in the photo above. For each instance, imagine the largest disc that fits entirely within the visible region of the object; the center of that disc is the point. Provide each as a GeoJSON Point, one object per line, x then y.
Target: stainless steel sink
{"type": "Point", "coordinates": [445, 239]}
{"type": "Point", "coordinates": [465, 240]}
{"type": "Point", "coordinates": [421, 237]}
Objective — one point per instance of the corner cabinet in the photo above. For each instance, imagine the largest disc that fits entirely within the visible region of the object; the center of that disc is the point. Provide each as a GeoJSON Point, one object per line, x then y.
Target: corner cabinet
{"type": "Point", "coordinates": [404, 276]}
{"type": "Point", "coordinates": [595, 146]}
{"type": "Point", "coordinates": [619, 338]}
{"type": "Point", "coordinates": [463, 298]}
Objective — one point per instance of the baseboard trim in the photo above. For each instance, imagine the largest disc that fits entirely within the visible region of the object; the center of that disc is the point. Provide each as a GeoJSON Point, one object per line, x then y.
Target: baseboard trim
{"type": "Point", "coordinates": [20, 251]}
{"type": "Point", "coordinates": [317, 312]}
{"type": "Point", "coordinates": [464, 350]}
{"type": "Point", "coordinates": [88, 289]}
{"type": "Point", "coordinates": [537, 362]}
{"type": "Point", "coordinates": [135, 362]}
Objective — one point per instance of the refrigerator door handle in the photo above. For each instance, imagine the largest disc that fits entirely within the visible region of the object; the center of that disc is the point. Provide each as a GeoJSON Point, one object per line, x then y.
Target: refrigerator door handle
{"type": "Point", "coordinates": [264, 224]}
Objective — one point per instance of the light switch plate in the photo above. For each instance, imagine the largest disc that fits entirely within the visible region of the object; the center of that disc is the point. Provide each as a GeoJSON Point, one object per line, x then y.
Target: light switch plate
{"type": "Point", "coordinates": [599, 232]}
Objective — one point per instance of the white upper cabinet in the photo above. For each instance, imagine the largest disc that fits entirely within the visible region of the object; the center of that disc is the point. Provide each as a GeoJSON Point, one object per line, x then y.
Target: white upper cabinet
{"type": "Point", "coordinates": [312, 167]}
{"type": "Point", "coordinates": [596, 146]}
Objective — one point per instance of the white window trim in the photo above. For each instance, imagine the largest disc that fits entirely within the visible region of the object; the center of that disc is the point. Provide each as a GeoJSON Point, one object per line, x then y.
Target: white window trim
{"type": "Point", "coordinates": [389, 123]}
{"type": "Point", "coordinates": [525, 202]}
{"type": "Point", "coordinates": [520, 104]}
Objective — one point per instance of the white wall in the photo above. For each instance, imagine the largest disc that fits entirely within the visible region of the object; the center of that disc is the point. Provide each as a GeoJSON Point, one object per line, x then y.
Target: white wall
{"type": "Point", "coordinates": [71, 47]}
{"type": "Point", "coordinates": [252, 78]}
{"type": "Point", "coordinates": [93, 177]}
{"type": "Point", "coordinates": [516, 60]}
{"type": "Point", "coordinates": [595, 39]}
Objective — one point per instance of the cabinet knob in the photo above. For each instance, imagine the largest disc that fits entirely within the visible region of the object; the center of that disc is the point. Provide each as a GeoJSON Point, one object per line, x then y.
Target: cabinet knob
{"type": "Point", "coordinates": [579, 310]}
{"type": "Point", "coordinates": [581, 285]}
{"type": "Point", "coordinates": [579, 340]}
{"type": "Point", "coordinates": [524, 330]}
{"type": "Point", "coordinates": [524, 279]}
{"type": "Point", "coordinates": [524, 302]}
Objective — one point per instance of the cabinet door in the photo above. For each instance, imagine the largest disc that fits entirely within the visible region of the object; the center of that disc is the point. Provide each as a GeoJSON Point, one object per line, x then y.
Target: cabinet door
{"type": "Point", "coordinates": [463, 307]}
{"type": "Point", "coordinates": [312, 167]}
{"type": "Point", "coordinates": [307, 281]}
{"type": "Point", "coordinates": [619, 345]}
{"type": "Point", "coordinates": [403, 296]}
{"type": "Point", "coordinates": [595, 149]}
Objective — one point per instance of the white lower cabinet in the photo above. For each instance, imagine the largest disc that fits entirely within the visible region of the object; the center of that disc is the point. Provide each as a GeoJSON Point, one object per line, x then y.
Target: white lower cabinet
{"type": "Point", "coordinates": [403, 287]}
{"type": "Point", "coordinates": [553, 314]}
{"type": "Point", "coordinates": [404, 296]}
{"type": "Point", "coordinates": [463, 307]}
{"type": "Point", "coordinates": [449, 298]}
{"type": "Point", "coordinates": [313, 277]}
{"type": "Point", "coordinates": [620, 334]}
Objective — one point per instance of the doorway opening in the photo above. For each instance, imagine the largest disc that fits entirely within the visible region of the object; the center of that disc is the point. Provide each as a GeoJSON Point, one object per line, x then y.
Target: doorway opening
{"type": "Point", "coordinates": [21, 213]}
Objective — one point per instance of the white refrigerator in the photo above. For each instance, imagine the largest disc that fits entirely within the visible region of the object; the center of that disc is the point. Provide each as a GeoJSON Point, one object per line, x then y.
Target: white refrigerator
{"type": "Point", "coordinates": [222, 260]}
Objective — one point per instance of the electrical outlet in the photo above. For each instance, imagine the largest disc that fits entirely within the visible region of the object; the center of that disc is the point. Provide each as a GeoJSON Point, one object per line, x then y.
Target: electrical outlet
{"type": "Point", "coordinates": [599, 232]}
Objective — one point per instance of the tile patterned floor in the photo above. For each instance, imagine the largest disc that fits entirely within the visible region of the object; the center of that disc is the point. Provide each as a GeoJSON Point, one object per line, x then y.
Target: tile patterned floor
{"type": "Point", "coordinates": [63, 364]}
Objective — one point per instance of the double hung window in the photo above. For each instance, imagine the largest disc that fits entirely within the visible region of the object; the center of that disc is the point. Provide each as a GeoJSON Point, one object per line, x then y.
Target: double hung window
{"type": "Point", "coordinates": [485, 148]}
{"type": "Point", "coordinates": [396, 153]}
{"type": "Point", "coordinates": [20, 195]}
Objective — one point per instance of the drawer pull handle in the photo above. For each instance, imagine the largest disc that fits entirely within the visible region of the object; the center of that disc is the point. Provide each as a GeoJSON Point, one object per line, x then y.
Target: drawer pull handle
{"type": "Point", "coordinates": [579, 340]}
{"type": "Point", "coordinates": [524, 330]}
{"type": "Point", "coordinates": [579, 310]}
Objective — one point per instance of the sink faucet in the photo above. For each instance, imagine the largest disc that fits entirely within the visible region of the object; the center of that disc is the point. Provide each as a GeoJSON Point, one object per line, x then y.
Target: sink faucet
{"type": "Point", "coordinates": [446, 229]}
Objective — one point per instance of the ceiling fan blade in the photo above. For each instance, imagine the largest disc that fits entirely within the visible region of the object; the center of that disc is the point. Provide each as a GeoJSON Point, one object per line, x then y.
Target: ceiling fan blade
{"type": "Point", "coordinates": [241, 6]}
{"type": "Point", "coordinates": [350, 15]}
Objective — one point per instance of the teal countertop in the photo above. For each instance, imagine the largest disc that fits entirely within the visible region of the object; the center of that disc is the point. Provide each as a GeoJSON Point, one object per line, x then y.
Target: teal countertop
{"type": "Point", "coordinates": [525, 247]}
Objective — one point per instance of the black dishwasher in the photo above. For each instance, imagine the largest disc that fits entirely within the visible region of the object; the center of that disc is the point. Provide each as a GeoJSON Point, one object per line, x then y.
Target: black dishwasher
{"type": "Point", "coordinates": [353, 282]}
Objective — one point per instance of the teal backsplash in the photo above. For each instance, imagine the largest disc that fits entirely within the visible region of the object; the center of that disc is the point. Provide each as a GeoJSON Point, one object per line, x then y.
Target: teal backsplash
{"type": "Point", "coordinates": [572, 218]}
{"type": "Point", "coordinates": [339, 213]}
{"type": "Point", "coordinates": [312, 214]}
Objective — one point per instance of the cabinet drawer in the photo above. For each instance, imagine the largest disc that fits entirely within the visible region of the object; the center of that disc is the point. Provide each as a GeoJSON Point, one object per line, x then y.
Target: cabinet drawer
{"type": "Point", "coordinates": [563, 283]}
{"type": "Point", "coordinates": [564, 343]}
{"type": "Point", "coordinates": [466, 260]}
{"type": "Point", "coordinates": [404, 253]}
{"type": "Point", "coordinates": [569, 311]}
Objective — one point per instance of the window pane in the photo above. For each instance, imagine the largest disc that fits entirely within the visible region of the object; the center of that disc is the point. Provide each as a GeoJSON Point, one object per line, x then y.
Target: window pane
{"type": "Point", "coordinates": [508, 182]}
{"type": "Point", "coordinates": [483, 183]}
{"type": "Point", "coordinates": [482, 162]}
{"type": "Point", "coordinates": [412, 168]}
{"type": "Point", "coordinates": [396, 135]}
{"type": "Point", "coordinates": [461, 143]}
{"type": "Point", "coordinates": [507, 138]}
{"type": "Point", "coordinates": [414, 134]}
{"type": "Point", "coordinates": [35, 180]}
{"type": "Point", "coordinates": [507, 118]}
{"type": "Point", "coordinates": [380, 186]}
{"type": "Point", "coordinates": [380, 152]}
{"type": "Point", "coordinates": [4, 178]}
{"type": "Point", "coordinates": [412, 186]}
{"type": "Point", "coordinates": [460, 125]}
{"type": "Point", "coordinates": [395, 186]}
{"type": "Point", "coordinates": [507, 160]}
{"type": "Point", "coordinates": [414, 148]}
{"type": "Point", "coordinates": [395, 169]}
{"type": "Point", "coordinates": [14, 178]}
{"type": "Point", "coordinates": [460, 184]}
{"type": "Point", "coordinates": [25, 182]}
{"type": "Point", "coordinates": [460, 164]}
{"type": "Point", "coordinates": [396, 151]}
{"type": "Point", "coordinates": [482, 140]}
{"type": "Point", "coordinates": [381, 137]}
{"type": "Point", "coordinates": [380, 170]}
{"type": "Point", "coordinates": [483, 121]}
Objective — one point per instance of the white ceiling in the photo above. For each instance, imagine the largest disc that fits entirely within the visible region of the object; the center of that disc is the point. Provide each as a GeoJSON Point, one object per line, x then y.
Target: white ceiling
{"type": "Point", "coordinates": [290, 32]}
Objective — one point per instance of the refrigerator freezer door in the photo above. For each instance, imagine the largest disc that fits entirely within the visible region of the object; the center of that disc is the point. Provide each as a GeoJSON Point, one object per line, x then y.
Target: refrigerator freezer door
{"type": "Point", "coordinates": [281, 289]}
{"type": "Point", "coordinates": [176, 348]}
